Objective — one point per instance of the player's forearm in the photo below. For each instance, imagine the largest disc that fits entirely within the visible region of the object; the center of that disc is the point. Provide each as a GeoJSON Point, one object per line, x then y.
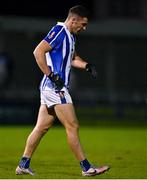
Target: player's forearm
{"type": "Point", "coordinates": [41, 61]}
{"type": "Point", "coordinates": [79, 62]}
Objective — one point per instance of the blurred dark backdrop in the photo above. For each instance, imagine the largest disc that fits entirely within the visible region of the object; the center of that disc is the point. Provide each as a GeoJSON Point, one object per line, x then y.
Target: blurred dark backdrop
{"type": "Point", "coordinates": [115, 41]}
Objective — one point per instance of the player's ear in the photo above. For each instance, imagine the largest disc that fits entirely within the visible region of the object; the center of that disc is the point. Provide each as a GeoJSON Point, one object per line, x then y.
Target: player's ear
{"type": "Point", "coordinates": [73, 20]}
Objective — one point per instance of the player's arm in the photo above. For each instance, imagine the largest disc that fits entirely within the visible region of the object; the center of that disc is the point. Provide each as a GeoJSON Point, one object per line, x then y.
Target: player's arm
{"type": "Point", "coordinates": [78, 62]}
{"type": "Point", "coordinates": [40, 57]}
{"type": "Point", "coordinates": [39, 54]}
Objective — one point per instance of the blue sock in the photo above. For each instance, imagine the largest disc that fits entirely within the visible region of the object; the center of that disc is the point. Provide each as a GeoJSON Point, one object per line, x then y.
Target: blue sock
{"type": "Point", "coordinates": [25, 162]}
{"type": "Point", "coordinates": [85, 165]}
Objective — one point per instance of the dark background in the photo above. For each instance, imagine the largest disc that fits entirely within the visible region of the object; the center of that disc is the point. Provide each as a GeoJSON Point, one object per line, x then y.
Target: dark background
{"type": "Point", "coordinates": [115, 41]}
{"type": "Point", "coordinates": [52, 9]}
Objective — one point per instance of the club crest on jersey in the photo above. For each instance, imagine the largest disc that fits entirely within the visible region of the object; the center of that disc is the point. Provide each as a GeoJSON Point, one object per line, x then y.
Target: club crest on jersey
{"type": "Point", "coordinates": [51, 35]}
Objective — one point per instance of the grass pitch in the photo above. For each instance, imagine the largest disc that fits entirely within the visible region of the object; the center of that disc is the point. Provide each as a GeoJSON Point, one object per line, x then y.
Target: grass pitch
{"type": "Point", "coordinates": [123, 147]}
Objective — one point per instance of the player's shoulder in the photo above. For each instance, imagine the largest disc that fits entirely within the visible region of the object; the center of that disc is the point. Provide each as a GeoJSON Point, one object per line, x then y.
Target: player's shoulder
{"type": "Point", "coordinates": [56, 33]}
{"type": "Point", "coordinates": [58, 28]}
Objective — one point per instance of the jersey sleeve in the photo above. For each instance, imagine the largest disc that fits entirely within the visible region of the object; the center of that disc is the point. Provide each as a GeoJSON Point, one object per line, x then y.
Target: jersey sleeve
{"type": "Point", "coordinates": [55, 36]}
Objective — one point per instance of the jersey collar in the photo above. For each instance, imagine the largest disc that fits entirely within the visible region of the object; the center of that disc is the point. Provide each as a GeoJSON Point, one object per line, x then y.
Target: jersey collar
{"type": "Point", "coordinates": [63, 24]}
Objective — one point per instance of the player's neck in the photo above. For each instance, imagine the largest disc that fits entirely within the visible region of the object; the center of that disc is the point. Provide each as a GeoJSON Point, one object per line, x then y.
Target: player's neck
{"type": "Point", "coordinates": [68, 25]}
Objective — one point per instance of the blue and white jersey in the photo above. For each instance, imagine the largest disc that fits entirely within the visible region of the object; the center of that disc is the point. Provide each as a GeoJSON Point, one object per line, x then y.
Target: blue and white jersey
{"type": "Point", "coordinates": [60, 57]}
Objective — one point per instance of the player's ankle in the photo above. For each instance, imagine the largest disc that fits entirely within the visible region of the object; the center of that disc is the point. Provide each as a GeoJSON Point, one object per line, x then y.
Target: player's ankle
{"type": "Point", "coordinates": [85, 165]}
{"type": "Point", "coordinates": [24, 162]}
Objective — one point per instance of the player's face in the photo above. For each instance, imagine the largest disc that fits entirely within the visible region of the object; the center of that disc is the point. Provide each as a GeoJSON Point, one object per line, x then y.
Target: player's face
{"type": "Point", "coordinates": [79, 24]}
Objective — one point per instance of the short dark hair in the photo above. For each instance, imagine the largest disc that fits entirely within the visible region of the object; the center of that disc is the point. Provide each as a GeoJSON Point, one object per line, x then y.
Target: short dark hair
{"type": "Point", "coordinates": [79, 10]}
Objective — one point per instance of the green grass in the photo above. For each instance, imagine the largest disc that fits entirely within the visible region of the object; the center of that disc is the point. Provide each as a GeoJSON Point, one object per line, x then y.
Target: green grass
{"type": "Point", "coordinates": [124, 148]}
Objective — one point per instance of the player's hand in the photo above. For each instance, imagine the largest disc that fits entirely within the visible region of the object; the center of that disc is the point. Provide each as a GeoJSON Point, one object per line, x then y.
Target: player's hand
{"type": "Point", "coordinates": [57, 80]}
{"type": "Point", "coordinates": [92, 70]}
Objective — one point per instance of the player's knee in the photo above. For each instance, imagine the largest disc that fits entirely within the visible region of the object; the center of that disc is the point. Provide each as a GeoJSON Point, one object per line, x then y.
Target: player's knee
{"type": "Point", "coordinates": [76, 126]}
{"type": "Point", "coordinates": [73, 127]}
{"type": "Point", "coordinates": [44, 130]}
{"type": "Point", "coordinates": [41, 130]}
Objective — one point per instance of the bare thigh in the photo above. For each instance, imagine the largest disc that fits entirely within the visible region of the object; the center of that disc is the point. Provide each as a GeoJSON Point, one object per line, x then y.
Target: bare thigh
{"type": "Point", "coordinates": [45, 118]}
{"type": "Point", "coordinates": [66, 114]}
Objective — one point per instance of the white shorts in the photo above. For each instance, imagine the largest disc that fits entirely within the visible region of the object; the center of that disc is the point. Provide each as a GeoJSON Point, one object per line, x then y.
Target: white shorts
{"type": "Point", "coordinates": [51, 97]}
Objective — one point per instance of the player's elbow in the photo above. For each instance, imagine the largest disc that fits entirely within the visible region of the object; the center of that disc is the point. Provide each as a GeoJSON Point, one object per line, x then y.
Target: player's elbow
{"type": "Point", "coordinates": [37, 53]}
